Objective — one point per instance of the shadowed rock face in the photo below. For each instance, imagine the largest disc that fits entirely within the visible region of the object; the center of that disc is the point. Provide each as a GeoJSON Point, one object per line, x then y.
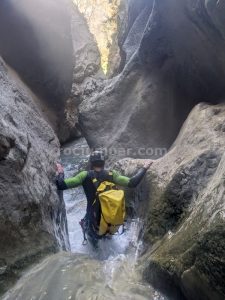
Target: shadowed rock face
{"type": "Point", "coordinates": [132, 22]}
{"type": "Point", "coordinates": [36, 41]}
{"type": "Point", "coordinates": [86, 64]}
{"type": "Point", "coordinates": [187, 204]}
{"type": "Point", "coordinates": [180, 61]}
{"type": "Point", "coordinates": [185, 225]}
{"type": "Point", "coordinates": [41, 41]}
{"type": "Point", "coordinates": [32, 215]}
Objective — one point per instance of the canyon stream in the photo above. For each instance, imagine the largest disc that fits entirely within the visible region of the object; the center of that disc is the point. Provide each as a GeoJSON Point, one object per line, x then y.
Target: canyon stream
{"type": "Point", "coordinates": [119, 255]}
{"type": "Point", "coordinates": [111, 272]}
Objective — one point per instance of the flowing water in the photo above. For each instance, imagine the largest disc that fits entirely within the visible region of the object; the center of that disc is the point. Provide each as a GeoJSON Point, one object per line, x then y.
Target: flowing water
{"type": "Point", "coordinates": [118, 255]}
{"type": "Point", "coordinates": [111, 273]}
{"type": "Point", "coordinates": [74, 157]}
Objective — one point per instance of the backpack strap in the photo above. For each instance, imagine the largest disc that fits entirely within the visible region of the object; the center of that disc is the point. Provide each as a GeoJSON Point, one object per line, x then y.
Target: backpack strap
{"type": "Point", "coordinates": [94, 180]}
{"type": "Point", "coordinates": [106, 176]}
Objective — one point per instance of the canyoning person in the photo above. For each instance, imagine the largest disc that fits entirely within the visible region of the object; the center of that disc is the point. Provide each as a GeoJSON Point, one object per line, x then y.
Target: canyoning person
{"type": "Point", "coordinates": [105, 201]}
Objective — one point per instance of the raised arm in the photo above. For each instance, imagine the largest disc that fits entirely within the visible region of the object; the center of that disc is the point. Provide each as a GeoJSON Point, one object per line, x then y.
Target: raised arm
{"type": "Point", "coordinates": [69, 183]}
{"type": "Point", "coordinates": [134, 180]}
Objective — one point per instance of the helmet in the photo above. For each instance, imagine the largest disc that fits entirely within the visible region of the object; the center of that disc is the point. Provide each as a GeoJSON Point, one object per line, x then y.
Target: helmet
{"type": "Point", "coordinates": [97, 156]}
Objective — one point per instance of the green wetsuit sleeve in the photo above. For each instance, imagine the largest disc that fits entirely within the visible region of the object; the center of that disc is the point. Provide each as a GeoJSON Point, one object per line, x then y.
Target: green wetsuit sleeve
{"type": "Point", "coordinates": [120, 180]}
{"type": "Point", "coordinates": [76, 180]}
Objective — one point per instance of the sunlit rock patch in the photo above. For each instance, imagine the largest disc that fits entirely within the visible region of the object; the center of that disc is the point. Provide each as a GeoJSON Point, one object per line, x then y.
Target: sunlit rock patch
{"type": "Point", "coordinates": [101, 16]}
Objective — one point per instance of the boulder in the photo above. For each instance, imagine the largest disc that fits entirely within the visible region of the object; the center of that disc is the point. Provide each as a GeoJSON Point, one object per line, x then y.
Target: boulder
{"type": "Point", "coordinates": [32, 215]}
{"type": "Point", "coordinates": [145, 106]}
{"type": "Point", "coordinates": [185, 232]}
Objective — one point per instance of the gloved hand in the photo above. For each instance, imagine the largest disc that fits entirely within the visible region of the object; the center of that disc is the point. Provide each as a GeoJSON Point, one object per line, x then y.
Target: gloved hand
{"type": "Point", "coordinates": [148, 164]}
{"type": "Point", "coordinates": [59, 169]}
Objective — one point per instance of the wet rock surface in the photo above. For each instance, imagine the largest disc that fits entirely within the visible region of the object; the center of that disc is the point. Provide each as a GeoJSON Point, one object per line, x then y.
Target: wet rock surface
{"type": "Point", "coordinates": [32, 215]}
{"type": "Point", "coordinates": [172, 59]}
{"type": "Point", "coordinates": [185, 224]}
{"type": "Point", "coordinates": [145, 106]}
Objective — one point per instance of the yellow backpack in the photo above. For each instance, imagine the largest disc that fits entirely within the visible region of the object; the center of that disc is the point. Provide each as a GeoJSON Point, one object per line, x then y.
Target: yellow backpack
{"type": "Point", "coordinates": [112, 203]}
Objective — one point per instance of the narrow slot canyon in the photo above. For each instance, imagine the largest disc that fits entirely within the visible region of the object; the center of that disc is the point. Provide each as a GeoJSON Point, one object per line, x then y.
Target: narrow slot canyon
{"type": "Point", "coordinates": [138, 80]}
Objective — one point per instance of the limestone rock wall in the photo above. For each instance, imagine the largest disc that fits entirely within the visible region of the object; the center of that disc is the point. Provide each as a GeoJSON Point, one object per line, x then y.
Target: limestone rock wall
{"type": "Point", "coordinates": [101, 17]}
{"type": "Point", "coordinates": [179, 62]}
{"type": "Point", "coordinates": [32, 215]}
{"type": "Point", "coordinates": [41, 42]}
{"type": "Point", "coordinates": [184, 232]}
{"type": "Point", "coordinates": [187, 209]}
